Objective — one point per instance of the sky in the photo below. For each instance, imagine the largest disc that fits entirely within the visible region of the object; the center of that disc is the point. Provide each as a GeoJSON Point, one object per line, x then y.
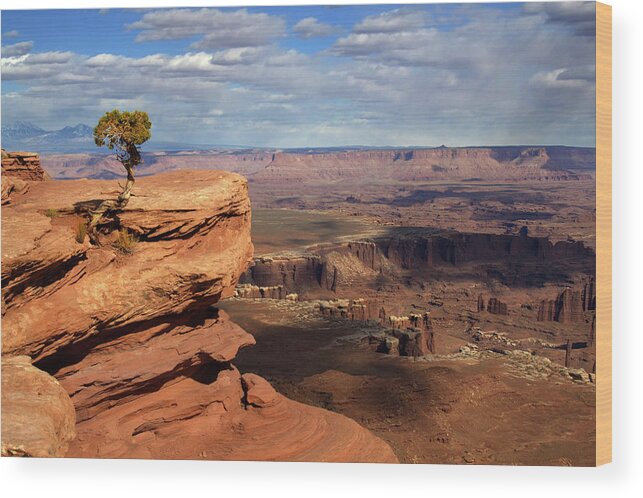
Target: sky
{"type": "Point", "coordinates": [312, 76]}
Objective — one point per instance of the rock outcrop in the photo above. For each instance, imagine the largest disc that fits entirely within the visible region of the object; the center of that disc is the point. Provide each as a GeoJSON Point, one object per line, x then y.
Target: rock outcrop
{"type": "Point", "coordinates": [414, 333]}
{"type": "Point", "coordinates": [23, 165]}
{"type": "Point", "coordinates": [61, 295]}
{"type": "Point", "coordinates": [133, 337]}
{"type": "Point", "coordinates": [19, 169]}
{"type": "Point", "coordinates": [496, 306]}
{"type": "Point", "coordinates": [38, 418]}
{"type": "Point", "coordinates": [570, 305]}
{"type": "Point", "coordinates": [349, 309]}
{"type": "Point", "coordinates": [493, 305]}
{"type": "Point", "coordinates": [249, 291]}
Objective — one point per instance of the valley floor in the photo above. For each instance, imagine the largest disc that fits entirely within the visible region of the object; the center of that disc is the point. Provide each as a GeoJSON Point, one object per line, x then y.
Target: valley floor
{"type": "Point", "coordinates": [477, 408]}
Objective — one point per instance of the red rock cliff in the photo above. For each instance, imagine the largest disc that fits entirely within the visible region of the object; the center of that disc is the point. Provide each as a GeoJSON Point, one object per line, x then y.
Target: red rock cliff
{"type": "Point", "coordinates": [19, 169]}
{"type": "Point", "coordinates": [133, 338]}
{"type": "Point", "coordinates": [23, 165]}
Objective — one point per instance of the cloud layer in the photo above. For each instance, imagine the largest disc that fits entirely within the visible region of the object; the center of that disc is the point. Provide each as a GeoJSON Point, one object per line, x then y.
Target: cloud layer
{"type": "Point", "coordinates": [470, 75]}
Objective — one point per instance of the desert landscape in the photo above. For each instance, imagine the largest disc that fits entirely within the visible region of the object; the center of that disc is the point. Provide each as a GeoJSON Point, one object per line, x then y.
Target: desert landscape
{"type": "Point", "coordinates": [329, 308]}
{"type": "Point", "coordinates": [322, 233]}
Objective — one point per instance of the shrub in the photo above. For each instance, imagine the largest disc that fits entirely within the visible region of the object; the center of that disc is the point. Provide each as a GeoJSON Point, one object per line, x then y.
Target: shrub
{"type": "Point", "coordinates": [52, 213]}
{"type": "Point", "coordinates": [81, 231]}
{"type": "Point", "coordinates": [125, 242]}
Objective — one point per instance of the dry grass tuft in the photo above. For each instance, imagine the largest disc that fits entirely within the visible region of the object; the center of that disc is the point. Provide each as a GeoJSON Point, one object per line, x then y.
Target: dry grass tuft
{"type": "Point", "coordinates": [81, 231]}
{"type": "Point", "coordinates": [52, 213]}
{"type": "Point", "coordinates": [125, 242]}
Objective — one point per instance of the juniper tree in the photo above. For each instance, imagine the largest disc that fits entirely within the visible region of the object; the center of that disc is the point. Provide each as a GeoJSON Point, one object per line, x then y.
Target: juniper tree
{"type": "Point", "coordinates": [121, 132]}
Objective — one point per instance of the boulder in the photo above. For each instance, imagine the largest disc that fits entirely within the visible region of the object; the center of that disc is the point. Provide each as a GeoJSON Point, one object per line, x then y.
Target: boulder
{"type": "Point", "coordinates": [38, 418]}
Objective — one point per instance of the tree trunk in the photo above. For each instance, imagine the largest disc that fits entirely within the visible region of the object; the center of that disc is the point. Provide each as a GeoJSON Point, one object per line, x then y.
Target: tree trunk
{"type": "Point", "coordinates": [133, 158]}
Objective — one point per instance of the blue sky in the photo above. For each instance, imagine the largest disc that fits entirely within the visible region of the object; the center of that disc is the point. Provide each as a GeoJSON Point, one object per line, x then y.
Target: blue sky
{"type": "Point", "coordinates": [457, 74]}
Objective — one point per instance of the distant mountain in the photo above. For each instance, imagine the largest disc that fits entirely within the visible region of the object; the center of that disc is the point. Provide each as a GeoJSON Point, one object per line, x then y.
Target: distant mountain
{"type": "Point", "coordinates": [27, 136]}
{"type": "Point", "coordinates": [20, 130]}
{"type": "Point", "coordinates": [78, 131]}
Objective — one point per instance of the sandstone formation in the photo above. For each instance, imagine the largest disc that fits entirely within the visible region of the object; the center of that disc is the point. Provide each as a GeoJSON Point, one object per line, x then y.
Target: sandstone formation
{"type": "Point", "coordinates": [19, 169]}
{"type": "Point", "coordinates": [459, 248]}
{"type": "Point", "coordinates": [349, 309]}
{"type": "Point", "coordinates": [493, 305]}
{"type": "Point", "coordinates": [496, 306]}
{"type": "Point", "coordinates": [132, 336]}
{"type": "Point", "coordinates": [12, 185]}
{"type": "Point", "coordinates": [331, 268]}
{"type": "Point", "coordinates": [588, 295]}
{"type": "Point", "coordinates": [570, 305]}
{"type": "Point", "coordinates": [409, 335]}
{"type": "Point", "coordinates": [23, 165]}
{"type": "Point", "coordinates": [508, 163]}
{"type": "Point", "coordinates": [413, 332]}
{"type": "Point", "coordinates": [38, 417]}
{"type": "Point", "coordinates": [194, 241]}
{"type": "Point", "coordinates": [289, 274]}
{"type": "Point", "coordinates": [249, 291]}
{"type": "Point", "coordinates": [232, 418]}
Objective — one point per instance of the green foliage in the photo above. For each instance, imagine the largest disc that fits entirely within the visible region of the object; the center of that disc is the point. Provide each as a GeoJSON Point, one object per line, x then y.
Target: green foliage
{"type": "Point", "coordinates": [52, 213]}
{"type": "Point", "coordinates": [81, 231]}
{"type": "Point", "coordinates": [122, 129]}
{"type": "Point", "coordinates": [125, 242]}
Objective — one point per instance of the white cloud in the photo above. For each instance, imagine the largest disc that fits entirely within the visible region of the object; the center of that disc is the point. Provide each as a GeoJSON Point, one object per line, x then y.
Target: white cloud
{"type": "Point", "coordinates": [17, 49]}
{"type": "Point", "coordinates": [310, 27]}
{"type": "Point", "coordinates": [580, 16]}
{"type": "Point", "coordinates": [397, 78]}
{"type": "Point", "coordinates": [218, 29]}
{"type": "Point", "coordinates": [398, 20]}
{"type": "Point", "coordinates": [576, 77]}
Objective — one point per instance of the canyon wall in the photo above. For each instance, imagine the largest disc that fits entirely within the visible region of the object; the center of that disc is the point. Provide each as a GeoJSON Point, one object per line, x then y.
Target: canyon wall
{"type": "Point", "coordinates": [265, 165]}
{"type": "Point", "coordinates": [132, 337]}
{"type": "Point", "coordinates": [509, 163]}
{"type": "Point", "coordinates": [570, 305]}
{"type": "Point", "coordinates": [334, 267]}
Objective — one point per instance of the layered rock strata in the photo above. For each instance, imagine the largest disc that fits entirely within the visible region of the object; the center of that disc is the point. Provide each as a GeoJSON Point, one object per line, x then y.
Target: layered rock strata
{"type": "Point", "coordinates": [570, 305]}
{"type": "Point", "coordinates": [19, 169]}
{"type": "Point", "coordinates": [23, 165]}
{"type": "Point", "coordinates": [409, 335]}
{"type": "Point", "coordinates": [507, 163]}
{"type": "Point", "coordinates": [133, 337]}
{"type": "Point", "coordinates": [496, 306]}
{"type": "Point", "coordinates": [330, 269]}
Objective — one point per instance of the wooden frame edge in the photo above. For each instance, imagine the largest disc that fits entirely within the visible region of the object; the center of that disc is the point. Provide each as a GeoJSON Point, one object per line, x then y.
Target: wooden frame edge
{"type": "Point", "coordinates": [603, 233]}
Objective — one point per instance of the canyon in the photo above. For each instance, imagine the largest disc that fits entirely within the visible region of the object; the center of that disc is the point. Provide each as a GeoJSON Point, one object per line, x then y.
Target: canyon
{"type": "Point", "coordinates": [414, 305]}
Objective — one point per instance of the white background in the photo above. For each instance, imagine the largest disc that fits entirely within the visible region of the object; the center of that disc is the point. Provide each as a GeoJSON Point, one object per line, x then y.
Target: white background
{"type": "Point", "coordinates": [124, 478]}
